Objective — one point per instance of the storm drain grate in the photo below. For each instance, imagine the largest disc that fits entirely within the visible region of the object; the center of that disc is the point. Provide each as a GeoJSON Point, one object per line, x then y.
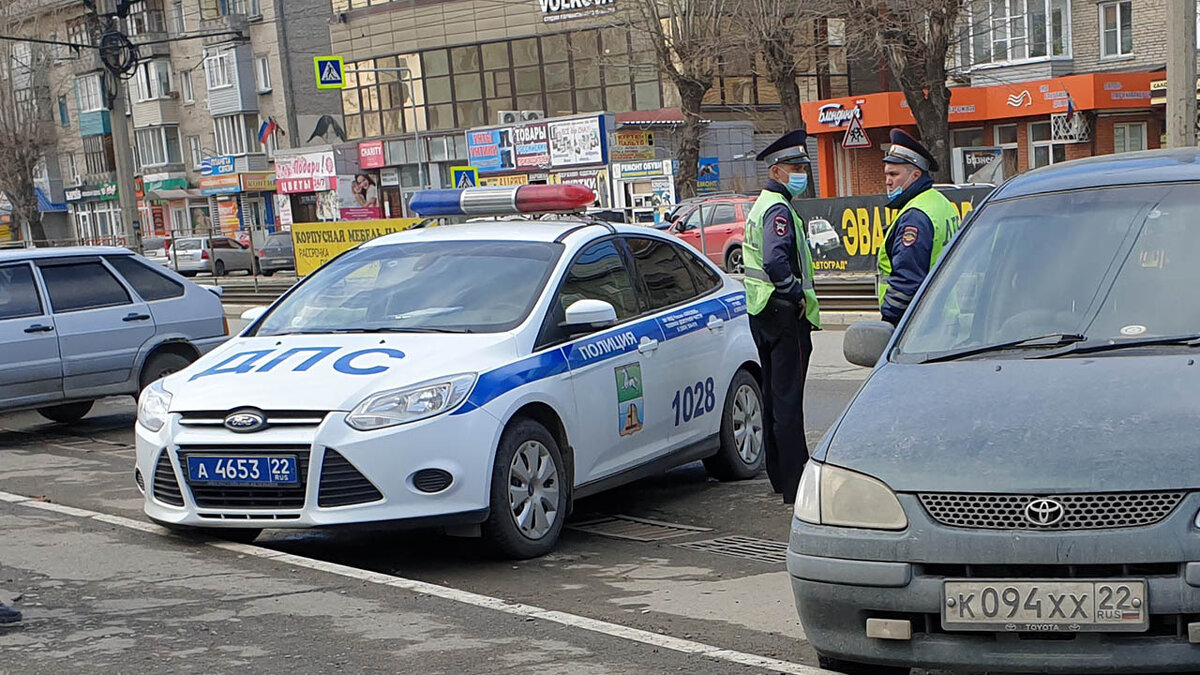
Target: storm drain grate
{"type": "Point", "coordinates": [761, 550]}
{"type": "Point", "coordinates": [635, 529]}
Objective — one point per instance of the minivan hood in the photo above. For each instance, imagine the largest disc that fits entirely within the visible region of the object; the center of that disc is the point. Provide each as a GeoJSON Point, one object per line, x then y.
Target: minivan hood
{"type": "Point", "coordinates": [346, 368]}
{"type": "Point", "coordinates": [1108, 424]}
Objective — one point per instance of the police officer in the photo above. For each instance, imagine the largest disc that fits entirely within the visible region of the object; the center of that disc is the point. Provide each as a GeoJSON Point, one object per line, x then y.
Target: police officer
{"type": "Point", "coordinates": [922, 228]}
{"type": "Point", "coordinates": [783, 308]}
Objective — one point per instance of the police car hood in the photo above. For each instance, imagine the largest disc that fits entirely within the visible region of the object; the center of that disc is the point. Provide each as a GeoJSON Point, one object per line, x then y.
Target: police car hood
{"type": "Point", "coordinates": [328, 372]}
{"type": "Point", "coordinates": [1109, 423]}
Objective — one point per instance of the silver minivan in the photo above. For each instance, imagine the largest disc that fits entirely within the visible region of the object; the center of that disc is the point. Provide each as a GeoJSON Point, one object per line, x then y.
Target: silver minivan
{"type": "Point", "coordinates": [218, 255]}
{"type": "Point", "coordinates": [78, 324]}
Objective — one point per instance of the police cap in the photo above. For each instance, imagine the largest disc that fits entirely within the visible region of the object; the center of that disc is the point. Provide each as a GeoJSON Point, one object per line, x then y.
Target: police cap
{"type": "Point", "coordinates": [907, 150]}
{"type": "Point", "coordinates": [789, 149]}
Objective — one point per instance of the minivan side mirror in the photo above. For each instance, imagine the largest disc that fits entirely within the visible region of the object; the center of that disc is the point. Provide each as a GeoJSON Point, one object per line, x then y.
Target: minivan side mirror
{"type": "Point", "coordinates": [865, 341]}
{"type": "Point", "coordinates": [253, 313]}
{"type": "Point", "coordinates": [585, 316]}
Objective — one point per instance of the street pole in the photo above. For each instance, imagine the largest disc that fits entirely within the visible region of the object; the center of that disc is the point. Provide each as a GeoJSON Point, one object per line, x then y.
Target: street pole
{"type": "Point", "coordinates": [123, 149]}
{"type": "Point", "coordinates": [1181, 74]}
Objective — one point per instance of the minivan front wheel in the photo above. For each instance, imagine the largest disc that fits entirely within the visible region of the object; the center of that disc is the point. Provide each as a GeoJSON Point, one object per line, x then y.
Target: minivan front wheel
{"type": "Point", "coordinates": [66, 413]}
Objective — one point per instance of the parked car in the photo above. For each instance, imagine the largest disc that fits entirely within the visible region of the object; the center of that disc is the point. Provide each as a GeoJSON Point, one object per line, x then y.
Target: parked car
{"type": "Point", "coordinates": [81, 323]}
{"type": "Point", "coordinates": [154, 249]}
{"type": "Point", "coordinates": [1012, 487]}
{"type": "Point", "coordinates": [192, 255]}
{"type": "Point", "coordinates": [277, 254]}
{"type": "Point", "coordinates": [724, 222]}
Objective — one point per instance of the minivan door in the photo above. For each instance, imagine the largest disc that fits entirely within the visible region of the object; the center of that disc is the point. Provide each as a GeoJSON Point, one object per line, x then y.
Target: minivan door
{"type": "Point", "coordinates": [101, 328]}
{"type": "Point", "coordinates": [30, 372]}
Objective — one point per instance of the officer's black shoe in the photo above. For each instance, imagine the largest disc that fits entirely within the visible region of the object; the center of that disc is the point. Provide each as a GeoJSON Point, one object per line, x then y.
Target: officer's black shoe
{"type": "Point", "coordinates": [8, 614]}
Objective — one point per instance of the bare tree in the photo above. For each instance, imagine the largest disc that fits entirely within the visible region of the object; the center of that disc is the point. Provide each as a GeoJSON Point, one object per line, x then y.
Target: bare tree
{"type": "Point", "coordinates": [779, 31]}
{"type": "Point", "coordinates": [686, 37]}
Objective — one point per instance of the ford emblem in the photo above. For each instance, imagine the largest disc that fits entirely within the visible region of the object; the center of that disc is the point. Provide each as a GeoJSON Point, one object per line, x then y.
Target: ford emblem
{"type": "Point", "coordinates": [245, 421]}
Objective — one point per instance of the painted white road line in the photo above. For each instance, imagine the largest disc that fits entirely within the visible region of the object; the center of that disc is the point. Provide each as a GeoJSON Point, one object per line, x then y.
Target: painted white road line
{"type": "Point", "coordinates": [453, 594]}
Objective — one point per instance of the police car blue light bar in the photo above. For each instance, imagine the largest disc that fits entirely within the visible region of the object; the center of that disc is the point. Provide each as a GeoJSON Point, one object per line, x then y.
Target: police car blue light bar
{"type": "Point", "coordinates": [503, 200]}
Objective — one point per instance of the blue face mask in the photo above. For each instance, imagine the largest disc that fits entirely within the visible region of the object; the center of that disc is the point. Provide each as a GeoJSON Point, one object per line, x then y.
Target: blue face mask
{"type": "Point", "coordinates": [797, 183]}
{"type": "Point", "coordinates": [895, 193]}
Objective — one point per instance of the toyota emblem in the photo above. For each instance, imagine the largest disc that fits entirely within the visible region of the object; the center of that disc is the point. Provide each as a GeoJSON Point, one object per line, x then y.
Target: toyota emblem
{"type": "Point", "coordinates": [245, 421]}
{"type": "Point", "coordinates": [1045, 512]}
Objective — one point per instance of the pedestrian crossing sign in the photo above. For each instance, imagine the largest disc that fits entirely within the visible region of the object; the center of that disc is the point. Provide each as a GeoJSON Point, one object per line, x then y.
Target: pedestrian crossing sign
{"type": "Point", "coordinates": [464, 176]}
{"type": "Point", "coordinates": [856, 136]}
{"type": "Point", "coordinates": [331, 72]}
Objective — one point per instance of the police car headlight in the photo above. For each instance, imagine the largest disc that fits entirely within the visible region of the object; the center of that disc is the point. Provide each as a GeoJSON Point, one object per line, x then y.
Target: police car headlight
{"type": "Point", "coordinates": [830, 495]}
{"type": "Point", "coordinates": [418, 402]}
{"type": "Point", "coordinates": [153, 405]}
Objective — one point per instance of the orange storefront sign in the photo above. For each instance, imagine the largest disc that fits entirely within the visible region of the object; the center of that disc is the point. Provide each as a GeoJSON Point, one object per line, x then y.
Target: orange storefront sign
{"type": "Point", "coordinates": [1091, 91]}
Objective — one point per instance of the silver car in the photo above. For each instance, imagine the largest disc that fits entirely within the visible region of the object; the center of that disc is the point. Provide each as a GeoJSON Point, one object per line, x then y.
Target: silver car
{"type": "Point", "coordinates": [219, 255]}
{"type": "Point", "coordinates": [78, 324]}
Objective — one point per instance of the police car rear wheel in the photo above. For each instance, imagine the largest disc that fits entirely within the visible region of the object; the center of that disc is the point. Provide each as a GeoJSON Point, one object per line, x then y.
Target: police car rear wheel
{"type": "Point", "coordinates": [741, 455]}
{"type": "Point", "coordinates": [528, 501]}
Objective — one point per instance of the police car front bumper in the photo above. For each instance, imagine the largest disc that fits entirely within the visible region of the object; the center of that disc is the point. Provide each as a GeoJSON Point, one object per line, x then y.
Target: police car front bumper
{"type": "Point", "coordinates": [842, 577]}
{"type": "Point", "coordinates": [344, 476]}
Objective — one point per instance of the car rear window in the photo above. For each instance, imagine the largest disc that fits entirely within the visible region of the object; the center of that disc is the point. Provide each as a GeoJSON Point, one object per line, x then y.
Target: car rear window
{"type": "Point", "coordinates": [188, 244]}
{"type": "Point", "coordinates": [664, 277]}
{"type": "Point", "coordinates": [280, 240]}
{"type": "Point", "coordinates": [706, 278]}
{"type": "Point", "coordinates": [147, 281]}
{"type": "Point", "coordinates": [82, 285]}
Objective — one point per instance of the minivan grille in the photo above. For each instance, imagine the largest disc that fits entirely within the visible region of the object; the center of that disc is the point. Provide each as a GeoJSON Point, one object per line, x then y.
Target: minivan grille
{"type": "Point", "coordinates": [1079, 511]}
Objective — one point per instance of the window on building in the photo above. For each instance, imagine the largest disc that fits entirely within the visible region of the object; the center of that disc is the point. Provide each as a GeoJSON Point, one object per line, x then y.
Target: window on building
{"type": "Point", "coordinates": [999, 31]}
{"type": "Point", "coordinates": [197, 153]}
{"type": "Point", "coordinates": [80, 32]}
{"type": "Point", "coordinates": [64, 115]}
{"type": "Point", "coordinates": [153, 80]}
{"type": "Point", "coordinates": [1116, 29]}
{"type": "Point", "coordinates": [145, 17]}
{"type": "Point", "coordinates": [178, 19]}
{"type": "Point", "coordinates": [98, 154]}
{"type": "Point", "coordinates": [236, 134]}
{"type": "Point", "coordinates": [185, 86]}
{"type": "Point", "coordinates": [966, 138]}
{"type": "Point", "coordinates": [73, 177]}
{"type": "Point", "coordinates": [238, 7]}
{"type": "Point", "coordinates": [158, 146]}
{"type": "Point", "coordinates": [218, 70]}
{"type": "Point", "coordinates": [262, 73]}
{"type": "Point", "coordinates": [90, 92]}
{"type": "Point", "coordinates": [1129, 137]}
{"type": "Point", "coordinates": [1043, 150]}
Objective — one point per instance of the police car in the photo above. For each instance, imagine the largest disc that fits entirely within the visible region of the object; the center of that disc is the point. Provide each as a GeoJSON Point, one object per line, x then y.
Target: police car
{"type": "Point", "coordinates": [481, 374]}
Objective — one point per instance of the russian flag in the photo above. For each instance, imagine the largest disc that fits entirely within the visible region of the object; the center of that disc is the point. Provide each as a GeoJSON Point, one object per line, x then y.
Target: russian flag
{"type": "Point", "coordinates": [267, 128]}
{"type": "Point", "coordinates": [1070, 107]}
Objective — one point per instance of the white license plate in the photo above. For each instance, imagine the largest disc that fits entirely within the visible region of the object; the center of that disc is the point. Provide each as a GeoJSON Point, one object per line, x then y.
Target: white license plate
{"type": "Point", "coordinates": [1049, 605]}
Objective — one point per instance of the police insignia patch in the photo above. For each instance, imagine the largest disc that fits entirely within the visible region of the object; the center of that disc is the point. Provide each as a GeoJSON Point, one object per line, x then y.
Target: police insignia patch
{"type": "Point", "coordinates": [909, 236]}
{"type": "Point", "coordinates": [781, 225]}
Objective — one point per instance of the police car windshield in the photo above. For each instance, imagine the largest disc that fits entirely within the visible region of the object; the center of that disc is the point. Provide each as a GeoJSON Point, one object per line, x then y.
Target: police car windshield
{"type": "Point", "coordinates": [1107, 264]}
{"type": "Point", "coordinates": [443, 287]}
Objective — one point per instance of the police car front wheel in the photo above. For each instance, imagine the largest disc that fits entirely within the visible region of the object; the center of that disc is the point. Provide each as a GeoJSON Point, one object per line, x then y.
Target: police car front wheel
{"type": "Point", "coordinates": [529, 493]}
{"type": "Point", "coordinates": [741, 455]}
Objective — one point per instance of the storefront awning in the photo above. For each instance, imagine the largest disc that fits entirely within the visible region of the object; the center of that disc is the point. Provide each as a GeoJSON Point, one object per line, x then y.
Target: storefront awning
{"type": "Point", "coordinates": [648, 118]}
{"type": "Point", "coordinates": [1090, 91]}
{"type": "Point", "coordinates": [172, 195]}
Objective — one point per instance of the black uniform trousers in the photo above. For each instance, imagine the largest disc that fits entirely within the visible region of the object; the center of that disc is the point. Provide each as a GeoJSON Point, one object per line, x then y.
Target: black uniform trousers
{"type": "Point", "coordinates": [784, 340]}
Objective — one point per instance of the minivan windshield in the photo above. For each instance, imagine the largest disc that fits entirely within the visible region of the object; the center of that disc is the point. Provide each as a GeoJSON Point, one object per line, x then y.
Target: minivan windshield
{"type": "Point", "coordinates": [434, 287]}
{"type": "Point", "coordinates": [1087, 267]}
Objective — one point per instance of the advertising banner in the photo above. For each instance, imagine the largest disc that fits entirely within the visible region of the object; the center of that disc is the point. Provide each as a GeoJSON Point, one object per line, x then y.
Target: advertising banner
{"type": "Point", "coordinates": [316, 243]}
{"type": "Point", "coordinates": [229, 215]}
{"type": "Point", "coordinates": [370, 155]}
{"type": "Point", "coordinates": [708, 176]}
{"type": "Point", "coordinates": [531, 146]}
{"type": "Point", "coordinates": [306, 165]}
{"type": "Point", "coordinates": [596, 179]}
{"type": "Point", "coordinates": [358, 197]}
{"type": "Point", "coordinates": [577, 142]}
{"type": "Point", "coordinates": [491, 150]}
{"type": "Point", "coordinates": [632, 146]}
{"type": "Point", "coordinates": [845, 233]}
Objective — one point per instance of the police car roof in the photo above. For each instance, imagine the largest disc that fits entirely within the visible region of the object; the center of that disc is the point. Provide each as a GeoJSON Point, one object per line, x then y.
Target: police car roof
{"type": "Point", "coordinates": [10, 254]}
{"type": "Point", "coordinates": [558, 229]}
{"type": "Point", "coordinates": [1132, 168]}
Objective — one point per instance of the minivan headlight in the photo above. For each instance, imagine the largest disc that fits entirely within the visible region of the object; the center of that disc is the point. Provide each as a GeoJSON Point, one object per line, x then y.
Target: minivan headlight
{"type": "Point", "coordinates": [153, 406]}
{"type": "Point", "coordinates": [830, 495]}
{"type": "Point", "coordinates": [409, 404]}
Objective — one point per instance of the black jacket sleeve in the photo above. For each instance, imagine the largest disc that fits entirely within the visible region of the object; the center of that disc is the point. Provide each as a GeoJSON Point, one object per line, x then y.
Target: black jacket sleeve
{"type": "Point", "coordinates": [909, 247]}
{"type": "Point", "coordinates": [780, 238]}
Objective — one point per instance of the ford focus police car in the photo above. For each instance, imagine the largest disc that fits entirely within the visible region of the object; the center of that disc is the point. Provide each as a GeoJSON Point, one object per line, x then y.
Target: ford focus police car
{"type": "Point", "coordinates": [484, 373]}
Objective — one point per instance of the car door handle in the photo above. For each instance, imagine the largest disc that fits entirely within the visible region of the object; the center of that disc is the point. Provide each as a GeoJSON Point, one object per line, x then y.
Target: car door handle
{"type": "Point", "coordinates": [134, 316]}
{"type": "Point", "coordinates": [715, 322]}
{"type": "Point", "coordinates": [39, 328]}
{"type": "Point", "coordinates": [647, 345]}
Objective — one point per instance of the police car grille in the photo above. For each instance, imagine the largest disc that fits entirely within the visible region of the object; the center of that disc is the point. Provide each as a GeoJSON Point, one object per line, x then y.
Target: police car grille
{"type": "Point", "coordinates": [166, 488]}
{"type": "Point", "coordinates": [1080, 511]}
{"type": "Point", "coordinates": [342, 484]}
{"type": "Point", "coordinates": [275, 418]}
{"type": "Point", "coordinates": [250, 496]}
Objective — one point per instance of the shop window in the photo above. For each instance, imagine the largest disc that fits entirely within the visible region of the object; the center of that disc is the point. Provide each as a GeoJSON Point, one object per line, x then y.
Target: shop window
{"type": "Point", "coordinates": [1043, 150]}
{"type": "Point", "coordinates": [1116, 29]}
{"type": "Point", "coordinates": [1006, 134]}
{"type": "Point", "coordinates": [966, 138]}
{"type": "Point", "coordinates": [1129, 137]}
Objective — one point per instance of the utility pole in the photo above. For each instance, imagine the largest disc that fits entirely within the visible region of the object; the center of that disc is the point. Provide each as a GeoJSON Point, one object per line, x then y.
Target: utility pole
{"type": "Point", "coordinates": [123, 149]}
{"type": "Point", "coordinates": [1181, 74]}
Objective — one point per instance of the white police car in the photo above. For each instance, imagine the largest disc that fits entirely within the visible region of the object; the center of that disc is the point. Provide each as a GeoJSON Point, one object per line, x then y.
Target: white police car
{"type": "Point", "coordinates": [471, 374]}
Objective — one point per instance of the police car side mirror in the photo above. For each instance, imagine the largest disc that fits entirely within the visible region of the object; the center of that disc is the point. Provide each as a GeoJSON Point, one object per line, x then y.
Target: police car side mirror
{"type": "Point", "coordinates": [865, 341]}
{"type": "Point", "coordinates": [585, 316]}
{"type": "Point", "coordinates": [253, 313]}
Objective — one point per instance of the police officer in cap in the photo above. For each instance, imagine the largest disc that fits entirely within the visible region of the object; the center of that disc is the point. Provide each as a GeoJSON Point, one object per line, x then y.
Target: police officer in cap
{"type": "Point", "coordinates": [923, 226]}
{"type": "Point", "coordinates": [783, 308]}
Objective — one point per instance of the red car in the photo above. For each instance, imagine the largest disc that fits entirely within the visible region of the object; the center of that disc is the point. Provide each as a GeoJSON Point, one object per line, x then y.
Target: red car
{"type": "Point", "coordinates": [724, 220]}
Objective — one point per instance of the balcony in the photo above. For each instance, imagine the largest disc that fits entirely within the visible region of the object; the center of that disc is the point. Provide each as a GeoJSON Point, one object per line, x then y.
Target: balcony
{"type": "Point", "coordinates": [87, 61]}
{"type": "Point", "coordinates": [235, 28]}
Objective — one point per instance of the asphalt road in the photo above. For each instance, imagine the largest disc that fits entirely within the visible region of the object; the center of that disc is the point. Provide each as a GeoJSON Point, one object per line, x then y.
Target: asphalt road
{"type": "Point", "coordinates": [96, 592]}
